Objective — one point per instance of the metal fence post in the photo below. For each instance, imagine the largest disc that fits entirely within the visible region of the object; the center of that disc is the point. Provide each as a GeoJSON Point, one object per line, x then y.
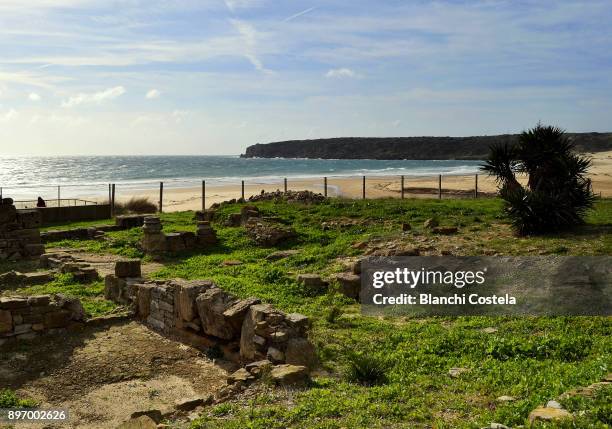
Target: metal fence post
{"type": "Point", "coordinates": [161, 197]}
{"type": "Point", "coordinates": [325, 186]}
{"type": "Point", "coordinates": [439, 186]}
{"type": "Point", "coordinates": [203, 195]}
{"type": "Point", "coordinates": [402, 185]}
{"type": "Point", "coordinates": [476, 186]}
{"type": "Point", "coordinates": [242, 190]}
{"type": "Point", "coordinates": [363, 185]}
{"type": "Point", "coordinates": [112, 201]}
{"type": "Point", "coordinates": [285, 182]}
{"type": "Point", "coordinates": [59, 200]}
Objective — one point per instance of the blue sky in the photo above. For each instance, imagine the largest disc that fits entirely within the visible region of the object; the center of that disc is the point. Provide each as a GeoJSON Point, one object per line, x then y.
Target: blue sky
{"type": "Point", "coordinates": [213, 76]}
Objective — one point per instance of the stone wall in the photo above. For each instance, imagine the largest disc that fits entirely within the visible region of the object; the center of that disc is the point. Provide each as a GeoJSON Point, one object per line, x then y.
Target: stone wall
{"type": "Point", "coordinates": [203, 315]}
{"type": "Point", "coordinates": [50, 215]}
{"type": "Point", "coordinates": [26, 317]}
{"type": "Point", "coordinates": [19, 234]}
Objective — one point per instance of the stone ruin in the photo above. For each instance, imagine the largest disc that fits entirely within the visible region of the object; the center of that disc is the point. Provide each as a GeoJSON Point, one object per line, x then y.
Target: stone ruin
{"type": "Point", "coordinates": [19, 233]}
{"type": "Point", "coordinates": [65, 263]}
{"type": "Point", "coordinates": [199, 313]}
{"type": "Point", "coordinates": [156, 242]}
{"type": "Point", "coordinates": [265, 231]}
{"type": "Point", "coordinates": [27, 317]}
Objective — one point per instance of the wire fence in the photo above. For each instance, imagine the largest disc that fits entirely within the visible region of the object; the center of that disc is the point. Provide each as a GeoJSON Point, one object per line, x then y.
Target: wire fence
{"type": "Point", "coordinates": [198, 195]}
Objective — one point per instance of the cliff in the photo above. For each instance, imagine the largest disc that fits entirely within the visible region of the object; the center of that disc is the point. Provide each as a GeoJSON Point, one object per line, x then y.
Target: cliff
{"type": "Point", "coordinates": [407, 147]}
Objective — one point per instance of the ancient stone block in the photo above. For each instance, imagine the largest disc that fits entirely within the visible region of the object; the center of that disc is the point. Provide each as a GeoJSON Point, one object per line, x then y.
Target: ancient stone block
{"type": "Point", "coordinates": [39, 300]}
{"type": "Point", "coordinates": [350, 284]}
{"type": "Point", "coordinates": [187, 294]}
{"type": "Point", "coordinates": [313, 283]}
{"type": "Point", "coordinates": [57, 319]}
{"type": "Point", "coordinates": [6, 321]}
{"type": "Point", "coordinates": [13, 303]}
{"type": "Point", "coordinates": [212, 305]}
{"type": "Point", "coordinates": [289, 374]}
{"type": "Point", "coordinates": [129, 221]}
{"type": "Point", "coordinates": [300, 351]}
{"type": "Point", "coordinates": [174, 242]}
{"type": "Point", "coordinates": [127, 268]}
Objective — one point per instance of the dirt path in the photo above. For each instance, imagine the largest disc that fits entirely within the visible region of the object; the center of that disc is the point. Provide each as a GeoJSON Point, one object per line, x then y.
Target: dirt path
{"type": "Point", "coordinates": [103, 374]}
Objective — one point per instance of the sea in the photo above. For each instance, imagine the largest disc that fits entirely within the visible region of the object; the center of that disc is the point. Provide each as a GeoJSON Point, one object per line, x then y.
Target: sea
{"type": "Point", "coordinates": [26, 177]}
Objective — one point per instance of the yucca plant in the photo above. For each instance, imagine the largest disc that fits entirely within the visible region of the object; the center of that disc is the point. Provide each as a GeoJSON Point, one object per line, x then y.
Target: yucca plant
{"type": "Point", "coordinates": [558, 192]}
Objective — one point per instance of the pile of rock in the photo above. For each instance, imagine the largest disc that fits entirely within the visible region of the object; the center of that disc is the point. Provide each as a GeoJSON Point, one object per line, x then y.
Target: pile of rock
{"type": "Point", "coordinates": [156, 242]}
{"type": "Point", "coordinates": [65, 263]}
{"type": "Point", "coordinates": [26, 317]}
{"type": "Point", "coordinates": [267, 232]}
{"type": "Point", "coordinates": [304, 197]}
{"type": "Point", "coordinates": [19, 234]}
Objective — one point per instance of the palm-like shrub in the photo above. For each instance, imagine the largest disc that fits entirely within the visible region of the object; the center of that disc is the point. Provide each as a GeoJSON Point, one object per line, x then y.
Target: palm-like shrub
{"type": "Point", "coordinates": [557, 194]}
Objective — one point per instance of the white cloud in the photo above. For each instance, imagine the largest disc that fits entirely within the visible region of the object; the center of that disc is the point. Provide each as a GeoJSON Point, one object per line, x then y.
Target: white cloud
{"type": "Point", "coordinates": [11, 114]}
{"type": "Point", "coordinates": [297, 15]}
{"type": "Point", "coordinates": [250, 37]}
{"type": "Point", "coordinates": [341, 73]}
{"type": "Point", "coordinates": [153, 93]}
{"type": "Point", "coordinates": [34, 96]}
{"type": "Point", "coordinates": [95, 98]}
{"type": "Point", "coordinates": [234, 5]}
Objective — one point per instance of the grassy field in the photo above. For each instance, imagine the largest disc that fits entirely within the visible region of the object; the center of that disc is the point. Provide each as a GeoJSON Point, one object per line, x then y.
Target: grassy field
{"type": "Point", "coordinates": [380, 372]}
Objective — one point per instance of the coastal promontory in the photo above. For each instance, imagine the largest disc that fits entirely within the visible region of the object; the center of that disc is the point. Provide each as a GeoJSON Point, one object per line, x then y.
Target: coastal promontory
{"type": "Point", "coordinates": [476, 147]}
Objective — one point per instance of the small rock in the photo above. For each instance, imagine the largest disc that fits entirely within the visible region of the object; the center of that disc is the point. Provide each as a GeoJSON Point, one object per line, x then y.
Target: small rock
{"type": "Point", "coordinates": [360, 245]}
{"type": "Point", "coordinates": [256, 368]}
{"type": "Point", "coordinates": [549, 414]}
{"type": "Point", "coordinates": [554, 404]}
{"type": "Point", "coordinates": [231, 263]}
{"type": "Point", "coordinates": [281, 254]}
{"type": "Point", "coordinates": [275, 355]}
{"type": "Point", "coordinates": [289, 374]}
{"type": "Point", "coordinates": [490, 330]}
{"type": "Point", "coordinates": [506, 398]}
{"type": "Point", "coordinates": [430, 223]}
{"type": "Point", "coordinates": [498, 426]}
{"type": "Point", "coordinates": [444, 230]}
{"type": "Point", "coordinates": [607, 378]}
{"type": "Point", "coordinates": [155, 415]}
{"type": "Point", "coordinates": [189, 404]}
{"type": "Point", "coordinates": [241, 375]}
{"type": "Point", "coordinates": [456, 372]}
{"type": "Point", "coordinates": [406, 226]}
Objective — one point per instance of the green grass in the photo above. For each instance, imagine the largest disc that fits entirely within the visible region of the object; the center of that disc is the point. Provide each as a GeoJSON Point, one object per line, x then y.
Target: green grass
{"type": "Point", "coordinates": [9, 399]}
{"type": "Point", "coordinates": [91, 295]}
{"type": "Point", "coordinates": [79, 224]}
{"type": "Point", "coordinates": [384, 372]}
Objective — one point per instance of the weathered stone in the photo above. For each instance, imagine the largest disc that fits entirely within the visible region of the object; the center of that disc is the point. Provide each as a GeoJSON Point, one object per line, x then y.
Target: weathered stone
{"type": "Point", "coordinates": [22, 329]}
{"type": "Point", "coordinates": [6, 321]}
{"type": "Point", "coordinates": [174, 242]}
{"type": "Point", "coordinates": [187, 294]}
{"type": "Point", "coordinates": [300, 351]}
{"type": "Point", "coordinates": [489, 330]}
{"type": "Point", "coordinates": [289, 374]}
{"type": "Point", "coordinates": [39, 300]}
{"type": "Point", "coordinates": [128, 268]}
{"type": "Point", "coordinates": [267, 234]}
{"type": "Point", "coordinates": [205, 215]}
{"type": "Point", "coordinates": [57, 319]}
{"type": "Point", "coordinates": [155, 415]}
{"type": "Point", "coordinates": [143, 300]}
{"type": "Point", "coordinates": [350, 284]}
{"type": "Point", "coordinates": [275, 355]}
{"type": "Point", "coordinates": [549, 414]}
{"type": "Point", "coordinates": [72, 305]}
{"type": "Point", "coordinates": [506, 398]}
{"type": "Point", "coordinates": [211, 306]}
{"type": "Point", "coordinates": [189, 404]}
{"type": "Point", "coordinates": [406, 226]}
{"type": "Point", "coordinates": [231, 263]}
{"type": "Point", "coordinates": [259, 367]}
{"type": "Point", "coordinates": [234, 219]}
{"type": "Point", "coordinates": [240, 375]}
{"type": "Point", "coordinates": [13, 303]}
{"type": "Point", "coordinates": [249, 349]}
{"type": "Point", "coordinates": [356, 267]}
{"type": "Point", "coordinates": [298, 321]}
{"type": "Point", "coordinates": [312, 283]}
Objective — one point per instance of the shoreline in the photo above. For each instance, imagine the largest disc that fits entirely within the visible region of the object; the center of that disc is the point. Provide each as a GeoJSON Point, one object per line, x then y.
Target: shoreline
{"type": "Point", "coordinates": [377, 186]}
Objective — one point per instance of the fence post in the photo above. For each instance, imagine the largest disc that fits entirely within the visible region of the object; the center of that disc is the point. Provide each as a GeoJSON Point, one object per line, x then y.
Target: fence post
{"type": "Point", "coordinates": [476, 186]}
{"type": "Point", "coordinates": [0, 192]}
{"type": "Point", "coordinates": [112, 201]}
{"type": "Point", "coordinates": [242, 190]}
{"type": "Point", "coordinates": [439, 186]}
{"type": "Point", "coordinates": [59, 200]}
{"type": "Point", "coordinates": [203, 195]}
{"type": "Point", "coordinates": [402, 190]}
{"type": "Point", "coordinates": [363, 188]}
{"type": "Point", "coordinates": [325, 186]}
{"type": "Point", "coordinates": [285, 182]}
{"type": "Point", "coordinates": [161, 197]}
{"type": "Point", "coordinates": [109, 193]}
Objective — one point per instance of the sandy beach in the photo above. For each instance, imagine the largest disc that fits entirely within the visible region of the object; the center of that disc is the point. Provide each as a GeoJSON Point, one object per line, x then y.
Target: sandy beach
{"type": "Point", "coordinates": [190, 198]}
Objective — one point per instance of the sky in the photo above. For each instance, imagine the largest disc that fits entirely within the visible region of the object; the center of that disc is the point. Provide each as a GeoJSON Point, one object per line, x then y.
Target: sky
{"type": "Point", "coordinates": [143, 77]}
